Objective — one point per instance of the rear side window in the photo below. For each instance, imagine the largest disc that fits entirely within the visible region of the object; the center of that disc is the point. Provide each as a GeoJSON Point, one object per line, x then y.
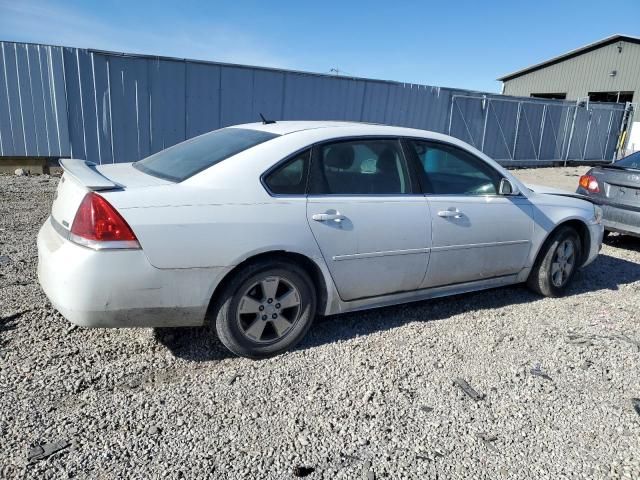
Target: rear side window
{"type": "Point", "coordinates": [291, 177]}
{"type": "Point", "coordinates": [360, 167]}
{"type": "Point", "coordinates": [184, 160]}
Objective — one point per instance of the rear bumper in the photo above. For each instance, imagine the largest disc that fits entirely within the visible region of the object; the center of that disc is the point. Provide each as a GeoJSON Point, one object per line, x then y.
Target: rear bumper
{"type": "Point", "coordinates": [621, 220]}
{"type": "Point", "coordinates": [120, 288]}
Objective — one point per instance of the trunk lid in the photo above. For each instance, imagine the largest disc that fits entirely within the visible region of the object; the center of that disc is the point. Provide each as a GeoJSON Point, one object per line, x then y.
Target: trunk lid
{"type": "Point", "coordinates": [81, 176]}
{"type": "Point", "coordinates": [618, 186]}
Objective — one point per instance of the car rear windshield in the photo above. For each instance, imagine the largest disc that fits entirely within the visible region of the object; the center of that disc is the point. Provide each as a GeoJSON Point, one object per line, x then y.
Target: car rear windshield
{"type": "Point", "coordinates": [632, 161]}
{"type": "Point", "coordinates": [184, 160]}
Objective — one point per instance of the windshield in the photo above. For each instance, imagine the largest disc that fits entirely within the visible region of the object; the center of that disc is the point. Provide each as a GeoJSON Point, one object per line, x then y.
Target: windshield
{"type": "Point", "coordinates": [185, 159]}
{"type": "Point", "coordinates": [632, 161]}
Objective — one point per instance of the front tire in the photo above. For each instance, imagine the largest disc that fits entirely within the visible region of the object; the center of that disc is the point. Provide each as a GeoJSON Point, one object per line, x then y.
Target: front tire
{"type": "Point", "coordinates": [557, 263]}
{"type": "Point", "coordinates": [266, 309]}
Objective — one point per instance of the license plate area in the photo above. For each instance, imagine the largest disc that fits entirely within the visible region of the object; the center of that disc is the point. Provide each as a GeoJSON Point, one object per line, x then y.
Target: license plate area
{"type": "Point", "coordinates": [623, 192]}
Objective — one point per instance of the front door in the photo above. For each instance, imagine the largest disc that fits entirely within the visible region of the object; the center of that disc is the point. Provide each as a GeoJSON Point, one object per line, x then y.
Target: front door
{"type": "Point", "coordinates": [371, 223]}
{"type": "Point", "coordinates": [476, 233]}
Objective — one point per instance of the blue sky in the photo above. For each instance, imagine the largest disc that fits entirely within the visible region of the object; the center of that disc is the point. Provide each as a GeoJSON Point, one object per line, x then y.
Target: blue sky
{"type": "Point", "coordinates": [460, 43]}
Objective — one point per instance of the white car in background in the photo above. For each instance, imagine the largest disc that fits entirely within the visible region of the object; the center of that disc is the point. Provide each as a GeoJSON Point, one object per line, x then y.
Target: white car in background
{"type": "Point", "coordinates": [261, 227]}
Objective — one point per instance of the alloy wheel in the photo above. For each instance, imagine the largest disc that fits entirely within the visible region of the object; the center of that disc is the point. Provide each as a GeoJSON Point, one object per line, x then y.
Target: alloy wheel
{"type": "Point", "coordinates": [563, 262]}
{"type": "Point", "coordinates": [269, 309]}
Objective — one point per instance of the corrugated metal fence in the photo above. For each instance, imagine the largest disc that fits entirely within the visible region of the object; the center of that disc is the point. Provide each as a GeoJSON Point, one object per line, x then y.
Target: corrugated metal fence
{"type": "Point", "coordinates": [109, 107]}
{"type": "Point", "coordinates": [515, 131]}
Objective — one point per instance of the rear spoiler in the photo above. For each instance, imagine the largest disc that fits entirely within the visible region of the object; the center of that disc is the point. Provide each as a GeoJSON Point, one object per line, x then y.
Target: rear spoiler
{"type": "Point", "coordinates": [85, 173]}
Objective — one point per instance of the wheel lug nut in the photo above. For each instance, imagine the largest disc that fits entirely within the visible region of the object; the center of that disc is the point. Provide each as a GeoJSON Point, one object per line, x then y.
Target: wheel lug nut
{"type": "Point", "coordinates": [270, 300]}
{"type": "Point", "coordinates": [277, 305]}
{"type": "Point", "coordinates": [264, 317]}
{"type": "Point", "coordinates": [261, 307]}
{"type": "Point", "coordinates": [275, 315]}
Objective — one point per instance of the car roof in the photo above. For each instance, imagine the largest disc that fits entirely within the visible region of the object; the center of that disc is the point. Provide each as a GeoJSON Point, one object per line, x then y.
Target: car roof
{"type": "Point", "coordinates": [294, 135]}
{"type": "Point", "coordinates": [286, 127]}
{"type": "Point", "coordinates": [325, 130]}
{"type": "Point", "coordinates": [290, 126]}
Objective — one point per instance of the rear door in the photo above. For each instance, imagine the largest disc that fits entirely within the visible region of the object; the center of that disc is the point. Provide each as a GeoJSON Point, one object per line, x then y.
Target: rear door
{"type": "Point", "coordinates": [368, 217]}
{"type": "Point", "coordinates": [476, 233]}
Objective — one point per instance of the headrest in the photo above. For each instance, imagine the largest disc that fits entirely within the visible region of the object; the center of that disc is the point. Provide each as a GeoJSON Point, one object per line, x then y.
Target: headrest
{"type": "Point", "coordinates": [386, 160]}
{"type": "Point", "coordinates": [339, 156]}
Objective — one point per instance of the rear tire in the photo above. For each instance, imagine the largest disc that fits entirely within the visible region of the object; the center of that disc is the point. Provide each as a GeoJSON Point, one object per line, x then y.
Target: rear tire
{"type": "Point", "coordinates": [557, 262]}
{"type": "Point", "coordinates": [266, 309]}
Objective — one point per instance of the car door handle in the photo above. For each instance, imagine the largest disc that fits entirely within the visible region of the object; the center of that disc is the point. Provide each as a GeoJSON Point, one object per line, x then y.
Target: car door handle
{"type": "Point", "coordinates": [326, 217]}
{"type": "Point", "coordinates": [454, 213]}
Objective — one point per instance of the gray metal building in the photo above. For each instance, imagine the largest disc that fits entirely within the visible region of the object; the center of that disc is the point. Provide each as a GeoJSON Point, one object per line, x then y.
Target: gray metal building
{"type": "Point", "coordinates": [110, 107]}
{"type": "Point", "coordinates": [606, 70]}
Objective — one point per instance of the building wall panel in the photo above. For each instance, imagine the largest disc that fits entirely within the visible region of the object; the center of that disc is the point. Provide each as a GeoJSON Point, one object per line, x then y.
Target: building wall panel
{"type": "Point", "coordinates": [268, 94]}
{"type": "Point", "coordinates": [6, 131]}
{"type": "Point", "coordinates": [14, 107]}
{"type": "Point", "coordinates": [129, 92]}
{"type": "Point", "coordinates": [376, 97]}
{"type": "Point", "coordinates": [37, 99]}
{"type": "Point", "coordinates": [585, 73]}
{"type": "Point", "coordinates": [167, 103]}
{"type": "Point", "coordinates": [30, 132]}
{"type": "Point", "coordinates": [74, 103]}
{"type": "Point", "coordinates": [102, 100]}
{"type": "Point", "coordinates": [202, 98]}
{"type": "Point", "coordinates": [237, 95]}
{"type": "Point", "coordinates": [58, 96]}
{"type": "Point", "coordinates": [88, 103]}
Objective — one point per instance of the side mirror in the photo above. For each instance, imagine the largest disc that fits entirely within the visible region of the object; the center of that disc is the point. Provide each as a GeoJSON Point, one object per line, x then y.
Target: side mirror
{"type": "Point", "coordinates": [507, 188]}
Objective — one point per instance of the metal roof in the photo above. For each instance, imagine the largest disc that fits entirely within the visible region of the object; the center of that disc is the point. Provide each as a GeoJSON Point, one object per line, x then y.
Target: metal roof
{"type": "Point", "coordinates": [573, 53]}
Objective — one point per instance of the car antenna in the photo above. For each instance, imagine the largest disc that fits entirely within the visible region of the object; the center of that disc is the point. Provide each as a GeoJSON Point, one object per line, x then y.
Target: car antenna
{"type": "Point", "coordinates": [265, 121]}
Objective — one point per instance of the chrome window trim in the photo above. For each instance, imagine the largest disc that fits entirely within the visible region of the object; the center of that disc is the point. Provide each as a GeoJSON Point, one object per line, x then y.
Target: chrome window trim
{"type": "Point", "coordinates": [370, 195]}
{"type": "Point", "coordinates": [413, 251]}
{"type": "Point", "coordinates": [478, 245]}
{"type": "Point", "coordinates": [387, 253]}
{"type": "Point", "coordinates": [472, 195]}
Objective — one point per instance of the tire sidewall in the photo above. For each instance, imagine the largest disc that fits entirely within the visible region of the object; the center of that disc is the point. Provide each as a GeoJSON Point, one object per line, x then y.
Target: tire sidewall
{"type": "Point", "coordinates": [547, 281]}
{"type": "Point", "coordinates": [227, 326]}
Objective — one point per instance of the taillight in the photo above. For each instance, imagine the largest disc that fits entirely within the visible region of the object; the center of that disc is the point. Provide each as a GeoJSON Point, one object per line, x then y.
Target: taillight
{"type": "Point", "coordinates": [590, 183]}
{"type": "Point", "coordinates": [98, 225]}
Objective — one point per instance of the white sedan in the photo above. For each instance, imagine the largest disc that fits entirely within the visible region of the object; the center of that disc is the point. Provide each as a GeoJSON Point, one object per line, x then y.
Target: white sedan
{"type": "Point", "coordinates": [261, 227]}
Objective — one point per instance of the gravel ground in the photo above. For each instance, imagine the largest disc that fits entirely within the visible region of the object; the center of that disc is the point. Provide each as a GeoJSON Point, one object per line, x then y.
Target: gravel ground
{"type": "Point", "coordinates": [565, 178]}
{"type": "Point", "coordinates": [367, 395]}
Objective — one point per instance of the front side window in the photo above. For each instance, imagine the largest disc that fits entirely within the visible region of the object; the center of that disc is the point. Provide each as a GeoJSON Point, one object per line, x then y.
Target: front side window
{"type": "Point", "coordinates": [448, 170]}
{"type": "Point", "coordinates": [360, 167]}
{"type": "Point", "coordinates": [185, 159]}
{"type": "Point", "coordinates": [291, 177]}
